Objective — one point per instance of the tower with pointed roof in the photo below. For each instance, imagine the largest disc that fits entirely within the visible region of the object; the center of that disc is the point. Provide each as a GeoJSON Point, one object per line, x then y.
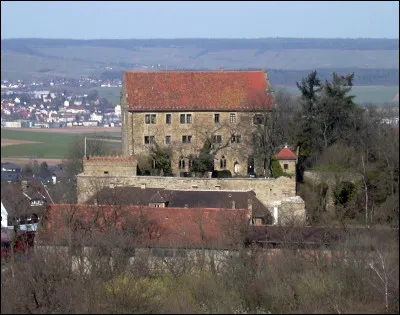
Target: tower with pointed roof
{"type": "Point", "coordinates": [287, 160]}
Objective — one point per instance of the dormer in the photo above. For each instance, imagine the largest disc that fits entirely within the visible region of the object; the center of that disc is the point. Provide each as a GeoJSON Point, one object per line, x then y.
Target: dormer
{"type": "Point", "coordinates": [158, 201]}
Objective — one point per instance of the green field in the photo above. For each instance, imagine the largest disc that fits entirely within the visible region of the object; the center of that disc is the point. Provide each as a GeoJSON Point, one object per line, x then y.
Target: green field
{"type": "Point", "coordinates": [363, 94]}
{"type": "Point", "coordinates": [51, 146]}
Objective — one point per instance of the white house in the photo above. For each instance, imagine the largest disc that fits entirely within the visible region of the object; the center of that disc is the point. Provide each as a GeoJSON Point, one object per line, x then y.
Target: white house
{"type": "Point", "coordinates": [96, 117]}
{"type": "Point", "coordinates": [117, 110]}
{"type": "Point", "coordinates": [4, 216]}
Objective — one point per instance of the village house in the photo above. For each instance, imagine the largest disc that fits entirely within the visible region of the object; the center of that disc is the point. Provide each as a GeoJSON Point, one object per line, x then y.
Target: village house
{"type": "Point", "coordinates": [182, 110]}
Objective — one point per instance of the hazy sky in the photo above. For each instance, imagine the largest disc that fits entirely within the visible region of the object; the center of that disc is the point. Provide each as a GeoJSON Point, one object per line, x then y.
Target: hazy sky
{"type": "Point", "coordinates": [194, 19]}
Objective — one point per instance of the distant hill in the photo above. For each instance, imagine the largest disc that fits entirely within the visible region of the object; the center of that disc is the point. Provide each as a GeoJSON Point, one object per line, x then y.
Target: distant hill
{"type": "Point", "coordinates": [375, 61]}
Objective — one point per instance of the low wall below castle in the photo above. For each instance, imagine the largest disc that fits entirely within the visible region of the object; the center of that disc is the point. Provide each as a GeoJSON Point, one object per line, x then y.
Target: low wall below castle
{"type": "Point", "coordinates": [268, 190]}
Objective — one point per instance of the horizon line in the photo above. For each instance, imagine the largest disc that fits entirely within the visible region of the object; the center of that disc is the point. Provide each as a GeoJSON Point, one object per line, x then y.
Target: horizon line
{"type": "Point", "coordinates": [207, 38]}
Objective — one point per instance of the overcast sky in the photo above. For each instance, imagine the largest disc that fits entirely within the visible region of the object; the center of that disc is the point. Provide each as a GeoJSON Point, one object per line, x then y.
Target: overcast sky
{"type": "Point", "coordinates": [195, 19]}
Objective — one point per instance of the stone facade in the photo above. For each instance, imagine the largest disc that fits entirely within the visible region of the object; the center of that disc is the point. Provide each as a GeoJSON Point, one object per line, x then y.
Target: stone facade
{"type": "Point", "coordinates": [181, 110]}
{"type": "Point", "coordinates": [279, 192]}
{"type": "Point", "coordinates": [288, 166]}
{"type": "Point", "coordinates": [186, 131]}
{"type": "Point", "coordinates": [110, 165]}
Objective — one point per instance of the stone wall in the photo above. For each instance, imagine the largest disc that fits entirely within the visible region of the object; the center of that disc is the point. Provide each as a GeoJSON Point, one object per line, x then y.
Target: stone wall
{"type": "Point", "coordinates": [291, 166]}
{"type": "Point", "coordinates": [110, 165]}
{"type": "Point", "coordinates": [280, 192]}
{"type": "Point", "coordinates": [202, 126]}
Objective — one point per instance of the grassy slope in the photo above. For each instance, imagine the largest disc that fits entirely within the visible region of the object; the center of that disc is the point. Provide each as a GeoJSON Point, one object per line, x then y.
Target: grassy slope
{"type": "Point", "coordinates": [54, 145]}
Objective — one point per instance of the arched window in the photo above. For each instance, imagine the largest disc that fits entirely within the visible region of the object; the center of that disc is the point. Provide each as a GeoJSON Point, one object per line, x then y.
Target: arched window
{"type": "Point", "coordinates": [223, 162]}
{"type": "Point", "coordinates": [182, 163]}
{"type": "Point", "coordinates": [236, 167]}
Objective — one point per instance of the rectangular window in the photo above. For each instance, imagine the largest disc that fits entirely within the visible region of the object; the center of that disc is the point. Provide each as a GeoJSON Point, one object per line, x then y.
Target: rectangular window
{"type": "Point", "coordinates": [217, 139]}
{"type": "Point", "coordinates": [168, 119]}
{"type": "Point", "coordinates": [216, 118]}
{"type": "Point", "coordinates": [232, 117]}
{"type": "Point", "coordinates": [185, 118]}
{"type": "Point", "coordinates": [285, 166]}
{"type": "Point", "coordinates": [150, 118]}
{"type": "Point", "coordinates": [167, 139]}
{"type": "Point", "coordinates": [186, 139]}
{"type": "Point", "coordinates": [258, 119]}
{"type": "Point", "coordinates": [148, 139]}
{"type": "Point", "coordinates": [235, 139]}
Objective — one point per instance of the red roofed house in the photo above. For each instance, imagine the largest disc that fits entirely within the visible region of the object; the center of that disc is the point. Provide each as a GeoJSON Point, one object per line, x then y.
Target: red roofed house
{"type": "Point", "coordinates": [142, 230]}
{"type": "Point", "coordinates": [183, 109]}
{"type": "Point", "coordinates": [287, 159]}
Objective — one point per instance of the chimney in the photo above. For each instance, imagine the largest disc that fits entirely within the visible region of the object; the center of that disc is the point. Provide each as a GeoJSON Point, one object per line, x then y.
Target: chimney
{"type": "Point", "coordinates": [24, 184]}
{"type": "Point", "coordinates": [221, 69]}
{"type": "Point", "coordinates": [275, 215]}
{"type": "Point", "coordinates": [250, 209]}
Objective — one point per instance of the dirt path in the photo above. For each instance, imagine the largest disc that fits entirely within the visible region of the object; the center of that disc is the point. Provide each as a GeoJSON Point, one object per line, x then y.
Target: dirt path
{"type": "Point", "coordinates": [7, 142]}
{"type": "Point", "coordinates": [25, 161]}
{"type": "Point", "coordinates": [69, 130]}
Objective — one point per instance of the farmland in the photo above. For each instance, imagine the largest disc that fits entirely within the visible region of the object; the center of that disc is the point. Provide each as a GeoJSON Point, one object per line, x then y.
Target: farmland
{"type": "Point", "coordinates": [48, 143]}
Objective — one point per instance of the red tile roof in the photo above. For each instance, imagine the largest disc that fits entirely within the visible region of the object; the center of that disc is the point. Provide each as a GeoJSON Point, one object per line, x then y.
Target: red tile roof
{"type": "Point", "coordinates": [159, 227]}
{"type": "Point", "coordinates": [196, 91]}
{"type": "Point", "coordinates": [286, 154]}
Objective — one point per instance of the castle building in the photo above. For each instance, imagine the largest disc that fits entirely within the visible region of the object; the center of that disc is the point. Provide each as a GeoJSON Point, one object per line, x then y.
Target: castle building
{"type": "Point", "coordinates": [182, 110]}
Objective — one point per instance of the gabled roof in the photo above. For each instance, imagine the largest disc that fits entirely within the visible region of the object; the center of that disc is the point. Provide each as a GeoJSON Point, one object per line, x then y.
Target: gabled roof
{"type": "Point", "coordinates": [197, 91]}
{"type": "Point", "coordinates": [286, 154]}
{"type": "Point", "coordinates": [17, 201]}
{"type": "Point", "coordinates": [216, 199]}
{"type": "Point", "coordinates": [145, 226]}
{"type": "Point", "coordinates": [157, 198]}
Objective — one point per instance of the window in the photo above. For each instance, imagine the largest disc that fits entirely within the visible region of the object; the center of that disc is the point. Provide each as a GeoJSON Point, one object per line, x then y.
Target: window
{"type": "Point", "coordinates": [186, 139]}
{"type": "Point", "coordinates": [190, 163]}
{"type": "Point", "coordinates": [167, 139]}
{"type": "Point", "coordinates": [182, 164]}
{"type": "Point", "coordinates": [168, 119]}
{"type": "Point", "coordinates": [105, 172]}
{"type": "Point", "coordinates": [185, 118]}
{"type": "Point", "coordinates": [223, 162]}
{"type": "Point", "coordinates": [232, 117]}
{"type": "Point", "coordinates": [236, 167]}
{"type": "Point", "coordinates": [258, 119]}
{"type": "Point", "coordinates": [217, 139]}
{"type": "Point", "coordinates": [150, 118]}
{"type": "Point", "coordinates": [285, 166]}
{"type": "Point", "coordinates": [235, 139]}
{"type": "Point", "coordinates": [216, 118]}
{"type": "Point", "coordinates": [148, 139]}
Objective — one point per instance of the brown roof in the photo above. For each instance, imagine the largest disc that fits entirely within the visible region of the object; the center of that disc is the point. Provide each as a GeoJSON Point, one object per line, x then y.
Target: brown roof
{"type": "Point", "coordinates": [17, 202]}
{"type": "Point", "coordinates": [216, 199]}
{"type": "Point", "coordinates": [145, 226]}
{"type": "Point", "coordinates": [286, 154]}
{"type": "Point", "coordinates": [197, 91]}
